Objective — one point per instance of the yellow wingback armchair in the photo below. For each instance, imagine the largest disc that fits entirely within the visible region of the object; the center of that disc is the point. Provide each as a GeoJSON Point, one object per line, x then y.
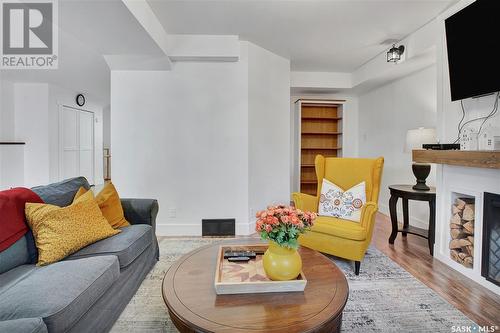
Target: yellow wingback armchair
{"type": "Point", "coordinates": [343, 238]}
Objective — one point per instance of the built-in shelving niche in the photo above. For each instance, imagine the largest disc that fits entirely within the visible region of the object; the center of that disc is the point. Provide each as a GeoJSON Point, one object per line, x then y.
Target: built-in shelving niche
{"type": "Point", "coordinates": [320, 134]}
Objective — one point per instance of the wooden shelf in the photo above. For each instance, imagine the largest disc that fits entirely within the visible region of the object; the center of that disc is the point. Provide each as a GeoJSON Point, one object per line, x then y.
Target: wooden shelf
{"type": "Point", "coordinates": [470, 158]}
{"type": "Point", "coordinates": [414, 231]}
{"type": "Point", "coordinates": [320, 148]}
{"type": "Point", "coordinates": [321, 133]}
{"type": "Point", "coordinates": [321, 118]}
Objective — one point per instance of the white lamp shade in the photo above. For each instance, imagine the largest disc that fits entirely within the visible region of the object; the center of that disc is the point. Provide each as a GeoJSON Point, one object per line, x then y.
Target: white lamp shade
{"type": "Point", "coordinates": [415, 138]}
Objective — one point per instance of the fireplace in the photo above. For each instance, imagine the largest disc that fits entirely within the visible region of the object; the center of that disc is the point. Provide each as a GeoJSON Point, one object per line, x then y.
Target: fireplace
{"type": "Point", "coordinates": [490, 266]}
{"type": "Point", "coordinates": [465, 207]}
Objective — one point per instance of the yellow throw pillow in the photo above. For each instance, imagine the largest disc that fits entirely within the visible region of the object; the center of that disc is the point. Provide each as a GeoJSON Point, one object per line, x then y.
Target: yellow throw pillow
{"type": "Point", "coordinates": [61, 231]}
{"type": "Point", "coordinates": [110, 205]}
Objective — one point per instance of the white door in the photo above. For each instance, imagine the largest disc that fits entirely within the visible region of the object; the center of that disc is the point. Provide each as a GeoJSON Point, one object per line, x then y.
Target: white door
{"type": "Point", "coordinates": [76, 144]}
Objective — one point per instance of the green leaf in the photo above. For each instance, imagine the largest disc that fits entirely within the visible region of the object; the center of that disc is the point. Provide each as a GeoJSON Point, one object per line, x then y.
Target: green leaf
{"type": "Point", "coordinates": [293, 243]}
{"type": "Point", "coordinates": [293, 232]}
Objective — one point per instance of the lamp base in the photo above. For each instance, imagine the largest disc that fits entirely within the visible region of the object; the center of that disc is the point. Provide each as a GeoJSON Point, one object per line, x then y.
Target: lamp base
{"type": "Point", "coordinates": [421, 171]}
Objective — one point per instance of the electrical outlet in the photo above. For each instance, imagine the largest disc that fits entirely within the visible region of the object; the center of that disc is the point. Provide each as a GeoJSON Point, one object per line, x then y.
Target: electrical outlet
{"type": "Point", "coordinates": [172, 212]}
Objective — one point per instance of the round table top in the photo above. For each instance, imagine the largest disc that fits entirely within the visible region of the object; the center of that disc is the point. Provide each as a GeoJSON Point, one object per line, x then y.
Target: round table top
{"type": "Point", "coordinates": [409, 189]}
{"type": "Point", "coordinates": [188, 292]}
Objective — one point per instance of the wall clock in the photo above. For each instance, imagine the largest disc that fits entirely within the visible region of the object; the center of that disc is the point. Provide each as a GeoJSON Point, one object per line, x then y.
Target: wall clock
{"type": "Point", "coordinates": [80, 100]}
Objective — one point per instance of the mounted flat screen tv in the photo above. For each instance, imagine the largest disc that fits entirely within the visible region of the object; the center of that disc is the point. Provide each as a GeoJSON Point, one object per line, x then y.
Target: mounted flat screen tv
{"type": "Point", "coordinates": [473, 43]}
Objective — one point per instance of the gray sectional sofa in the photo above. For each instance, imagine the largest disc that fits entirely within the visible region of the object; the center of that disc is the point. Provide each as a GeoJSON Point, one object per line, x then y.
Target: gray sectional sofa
{"type": "Point", "coordinates": [87, 291]}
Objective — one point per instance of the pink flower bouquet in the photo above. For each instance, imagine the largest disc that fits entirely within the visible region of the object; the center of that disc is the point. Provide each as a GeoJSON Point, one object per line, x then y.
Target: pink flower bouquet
{"type": "Point", "coordinates": [283, 224]}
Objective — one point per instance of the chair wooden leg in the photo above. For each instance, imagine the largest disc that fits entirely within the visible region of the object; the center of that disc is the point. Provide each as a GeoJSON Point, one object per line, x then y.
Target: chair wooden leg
{"type": "Point", "coordinates": [356, 267]}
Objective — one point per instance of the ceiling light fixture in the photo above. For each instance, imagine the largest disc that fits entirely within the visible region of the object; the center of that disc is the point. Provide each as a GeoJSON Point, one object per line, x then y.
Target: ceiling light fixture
{"type": "Point", "coordinates": [394, 54]}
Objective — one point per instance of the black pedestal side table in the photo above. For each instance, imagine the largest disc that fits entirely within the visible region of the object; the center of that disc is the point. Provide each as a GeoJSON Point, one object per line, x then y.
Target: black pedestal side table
{"type": "Point", "coordinates": [406, 192]}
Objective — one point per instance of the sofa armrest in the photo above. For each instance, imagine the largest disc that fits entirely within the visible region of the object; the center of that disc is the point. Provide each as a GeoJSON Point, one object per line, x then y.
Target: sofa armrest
{"type": "Point", "coordinates": [305, 202]}
{"type": "Point", "coordinates": [140, 211]}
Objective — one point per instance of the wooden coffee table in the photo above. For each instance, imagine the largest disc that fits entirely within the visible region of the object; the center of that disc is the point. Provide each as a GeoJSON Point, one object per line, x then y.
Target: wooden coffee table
{"type": "Point", "coordinates": [193, 305]}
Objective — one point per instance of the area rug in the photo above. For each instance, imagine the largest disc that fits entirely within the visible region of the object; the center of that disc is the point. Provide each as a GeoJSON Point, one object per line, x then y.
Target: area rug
{"type": "Point", "coordinates": [383, 298]}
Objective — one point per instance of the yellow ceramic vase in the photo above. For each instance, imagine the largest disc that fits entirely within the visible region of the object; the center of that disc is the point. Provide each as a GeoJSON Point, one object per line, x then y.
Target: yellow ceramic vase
{"type": "Point", "coordinates": [281, 264]}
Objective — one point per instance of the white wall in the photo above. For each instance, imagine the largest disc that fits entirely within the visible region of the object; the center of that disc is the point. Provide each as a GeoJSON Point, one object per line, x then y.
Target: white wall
{"type": "Point", "coordinates": [58, 97]}
{"type": "Point", "coordinates": [31, 103]}
{"type": "Point", "coordinates": [385, 114]}
{"type": "Point", "coordinates": [6, 110]}
{"type": "Point", "coordinates": [181, 137]}
{"type": "Point", "coordinates": [35, 120]}
{"type": "Point", "coordinates": [11, 156]}
{"type": "Point", "coordinates": [269, 128]}
{"type": "Point", "coordinates": [106, 126]}
{"type": "Point", "coordinates": [185, 137]}
{"type": "Point", "coordinates": [320, 80]}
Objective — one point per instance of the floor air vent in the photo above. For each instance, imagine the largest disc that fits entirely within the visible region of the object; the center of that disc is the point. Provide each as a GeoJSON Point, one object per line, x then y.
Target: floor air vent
{"type": "Point", "coordinates": [218, 227]}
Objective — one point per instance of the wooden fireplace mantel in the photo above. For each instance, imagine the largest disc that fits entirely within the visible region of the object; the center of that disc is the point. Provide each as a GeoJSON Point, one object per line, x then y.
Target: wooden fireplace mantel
{"type": "Point", "coordinates": [478, 158]}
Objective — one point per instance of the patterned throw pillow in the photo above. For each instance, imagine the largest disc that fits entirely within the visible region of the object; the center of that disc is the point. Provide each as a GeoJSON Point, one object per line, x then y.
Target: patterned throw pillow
{"type": "Point", "coordinates": [336, 202]}
{"type": "Point", "coordinates": [61, 231]}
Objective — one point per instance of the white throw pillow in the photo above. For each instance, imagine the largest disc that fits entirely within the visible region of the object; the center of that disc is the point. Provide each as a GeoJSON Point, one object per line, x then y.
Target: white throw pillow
{"type": "Point", "coordinates": [336, 202]}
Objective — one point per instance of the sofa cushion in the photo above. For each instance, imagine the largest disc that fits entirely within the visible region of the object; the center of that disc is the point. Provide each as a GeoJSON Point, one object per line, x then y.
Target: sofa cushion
{"type": "Point", "coordinates": [16, 255]}
{"type": "Point", "coordinates": [24, 325]}
{"type": "Point", "coordinates": [127, 245]}
{"type": "Point", "coordinates": [59, 293]}
{"type": "Point", "coordinates": [340, 228]}
{"type": "Point", "coordinates": [10, 278]}
{"type": "Point", "coordinates": [61, 194]}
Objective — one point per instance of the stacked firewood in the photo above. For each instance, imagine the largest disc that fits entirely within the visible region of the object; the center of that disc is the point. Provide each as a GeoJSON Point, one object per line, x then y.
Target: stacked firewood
{"type": "Point", "coordinates": [462, 231]}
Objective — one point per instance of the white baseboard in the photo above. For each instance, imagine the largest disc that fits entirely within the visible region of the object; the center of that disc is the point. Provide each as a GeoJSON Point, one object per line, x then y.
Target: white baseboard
{"type": "Point", "coordinates": [416, 222]}
{"type": "Point", "coordinates": [178, 229]}
{"type": "Point", "coordinates": [245, 229]}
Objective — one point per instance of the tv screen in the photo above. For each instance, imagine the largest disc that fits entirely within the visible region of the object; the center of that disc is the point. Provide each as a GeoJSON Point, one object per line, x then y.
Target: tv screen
{"type": "Point", "coordinates": [473, 44]}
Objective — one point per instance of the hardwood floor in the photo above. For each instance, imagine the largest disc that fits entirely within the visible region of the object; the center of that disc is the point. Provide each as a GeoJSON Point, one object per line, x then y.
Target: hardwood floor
{"type": "Point", "coordinates": [412, 253]}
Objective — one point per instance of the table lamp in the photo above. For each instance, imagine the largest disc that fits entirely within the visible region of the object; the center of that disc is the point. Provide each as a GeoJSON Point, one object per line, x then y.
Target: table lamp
{"type": "Point", "coordinates": [415, 138]}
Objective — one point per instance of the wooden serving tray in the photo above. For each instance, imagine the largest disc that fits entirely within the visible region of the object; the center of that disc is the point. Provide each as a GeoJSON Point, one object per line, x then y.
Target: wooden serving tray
{"type": "Point", "coordinates": [250, 277]}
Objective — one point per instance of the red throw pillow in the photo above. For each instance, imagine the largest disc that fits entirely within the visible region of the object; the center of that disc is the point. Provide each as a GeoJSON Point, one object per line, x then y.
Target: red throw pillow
{"type": "Point", "coordinates": [12, 220]}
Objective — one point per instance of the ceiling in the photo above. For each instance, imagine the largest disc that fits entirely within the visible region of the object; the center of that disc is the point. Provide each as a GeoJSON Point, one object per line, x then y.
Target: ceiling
{"type": "Point", "coordinates": [315, 35]}
{"type": "Point", "coordinates": [87, 30]}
